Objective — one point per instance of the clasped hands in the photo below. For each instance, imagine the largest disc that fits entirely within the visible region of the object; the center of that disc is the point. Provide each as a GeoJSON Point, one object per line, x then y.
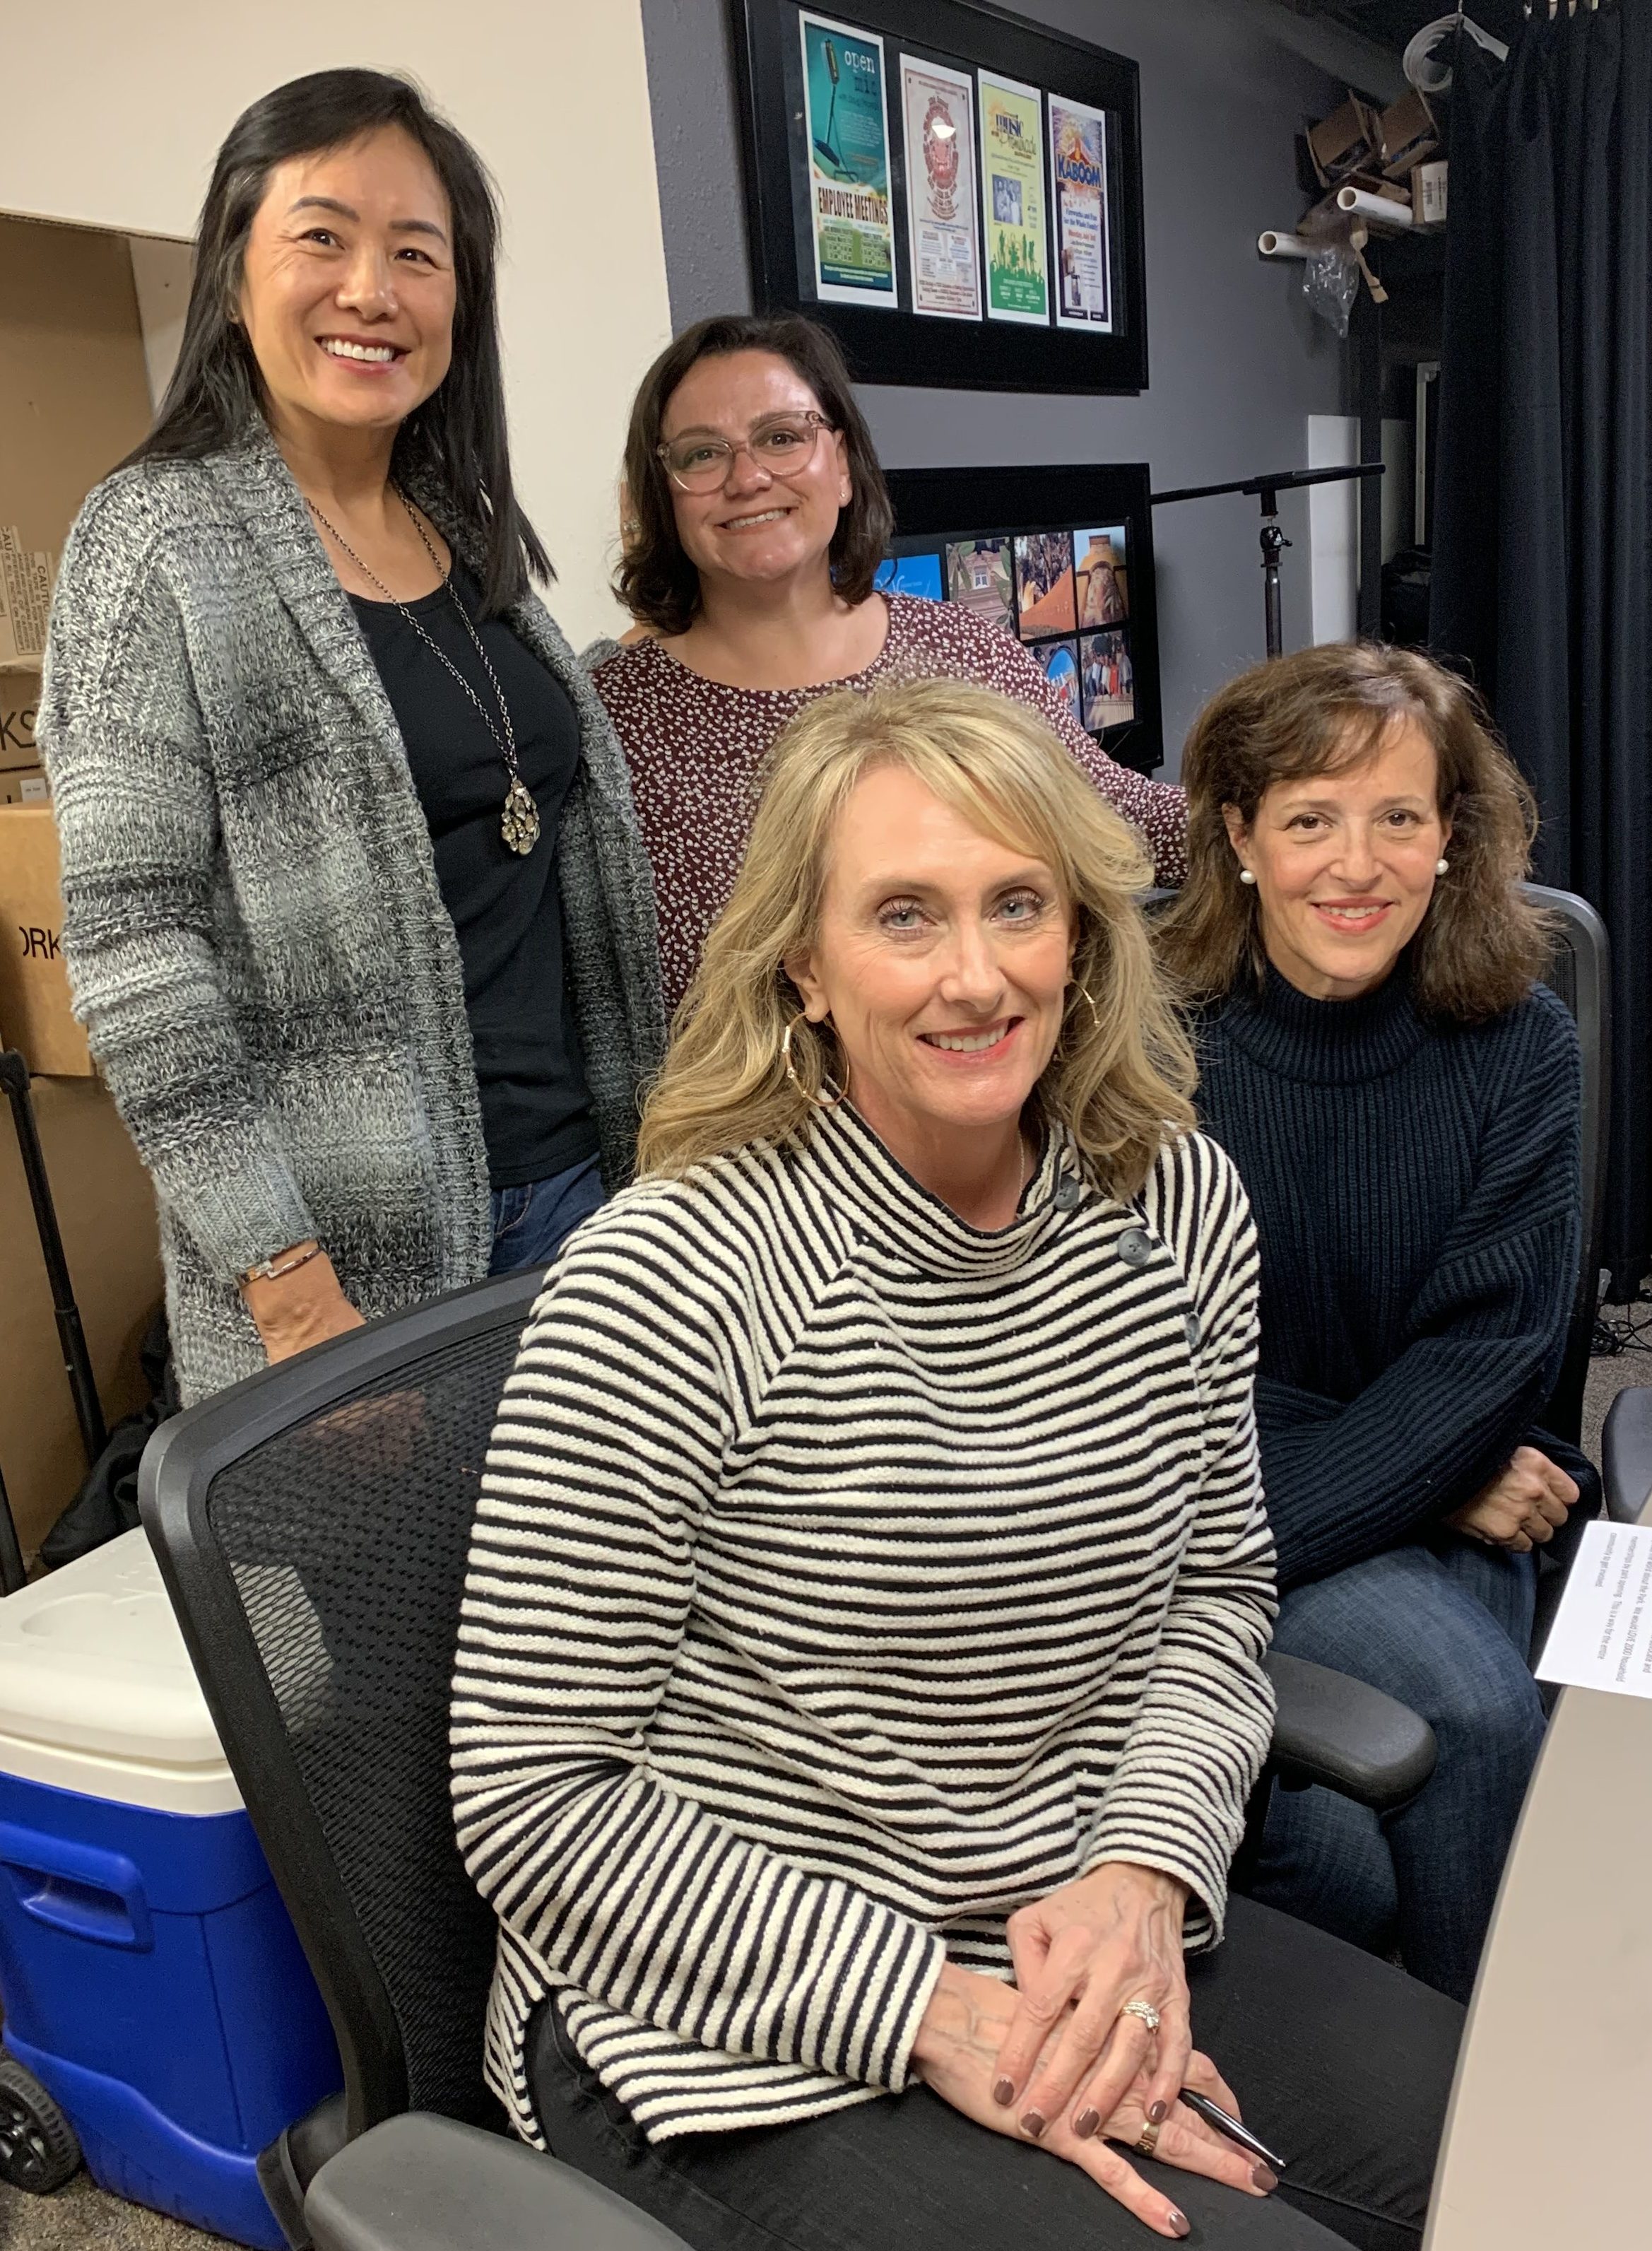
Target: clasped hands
{"type": "Point", "coordinates": [1051, 2059]}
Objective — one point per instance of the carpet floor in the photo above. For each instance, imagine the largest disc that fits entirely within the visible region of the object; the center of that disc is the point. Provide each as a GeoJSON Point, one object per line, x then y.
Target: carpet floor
{"type": "Point", "coordinates": [80, 2218]}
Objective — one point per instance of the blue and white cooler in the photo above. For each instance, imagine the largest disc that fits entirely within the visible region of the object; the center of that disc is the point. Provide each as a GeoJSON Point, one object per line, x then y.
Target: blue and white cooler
{"type": "Point", "coordinates": [150, 1980]}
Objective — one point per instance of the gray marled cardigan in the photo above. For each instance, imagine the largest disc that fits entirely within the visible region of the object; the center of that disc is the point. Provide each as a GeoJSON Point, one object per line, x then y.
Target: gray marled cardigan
{"type": "Point", "coordinates": [258, 946]}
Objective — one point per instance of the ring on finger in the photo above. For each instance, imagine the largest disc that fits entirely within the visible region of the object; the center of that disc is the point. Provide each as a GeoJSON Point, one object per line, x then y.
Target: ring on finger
{"type": "Point", "coordinates": [1147, 2142]}
{"type": "Point", "coordinates": [1145, 2010]}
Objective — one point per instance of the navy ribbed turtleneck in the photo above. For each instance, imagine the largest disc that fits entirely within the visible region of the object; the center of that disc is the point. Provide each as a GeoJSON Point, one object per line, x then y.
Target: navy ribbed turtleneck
{"type": "Point", "coordinates": [1415, 1189]}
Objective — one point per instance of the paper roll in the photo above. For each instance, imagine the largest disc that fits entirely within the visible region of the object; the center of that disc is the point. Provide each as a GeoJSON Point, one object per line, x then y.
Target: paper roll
{"type": "Point", "coordinates": [1376, 210]}
{"type": "Point", "coordinates": [1273, 244]}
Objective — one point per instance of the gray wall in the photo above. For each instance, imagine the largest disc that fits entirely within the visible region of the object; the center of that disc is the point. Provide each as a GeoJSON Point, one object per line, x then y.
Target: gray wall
{"type": "Point", "coordinates": [1236, 362]}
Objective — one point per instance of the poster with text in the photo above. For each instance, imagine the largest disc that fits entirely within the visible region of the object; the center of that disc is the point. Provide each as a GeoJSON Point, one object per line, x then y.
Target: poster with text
{"type": "Point", "coordinates": [1017, 286]}
{"type": "Point", "coordinates": [844, 120]}
{"type": "Point", "coordinates": [1078, 198]}
{"type": "Point", "coordinates": [936, 106]}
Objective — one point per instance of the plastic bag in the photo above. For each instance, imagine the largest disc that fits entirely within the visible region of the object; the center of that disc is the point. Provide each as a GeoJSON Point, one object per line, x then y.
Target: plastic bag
{"type": "Point", "coordinates": [1330, 282]}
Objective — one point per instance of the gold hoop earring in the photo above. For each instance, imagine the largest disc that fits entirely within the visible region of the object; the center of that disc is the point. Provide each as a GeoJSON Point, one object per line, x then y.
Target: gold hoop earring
{"type": "Point", "coordinates": [816, 1101]}
{"type": "Point", "coordinates": [1084, 995]}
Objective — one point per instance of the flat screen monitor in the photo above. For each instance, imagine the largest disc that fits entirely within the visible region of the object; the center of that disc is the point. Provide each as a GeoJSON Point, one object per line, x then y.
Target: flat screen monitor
{"type": "Point", "coordinates": [1061, 558]}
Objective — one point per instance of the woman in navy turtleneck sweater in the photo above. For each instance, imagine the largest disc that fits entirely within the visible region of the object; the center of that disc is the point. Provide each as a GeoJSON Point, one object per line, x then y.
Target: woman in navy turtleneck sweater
{"type": "Point", "coordinates": [1402, 1102]}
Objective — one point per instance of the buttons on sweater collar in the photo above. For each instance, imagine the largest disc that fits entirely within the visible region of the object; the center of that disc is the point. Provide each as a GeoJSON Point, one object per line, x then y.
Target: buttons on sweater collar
{"type": "Point", "coordinates": [889, 1205]}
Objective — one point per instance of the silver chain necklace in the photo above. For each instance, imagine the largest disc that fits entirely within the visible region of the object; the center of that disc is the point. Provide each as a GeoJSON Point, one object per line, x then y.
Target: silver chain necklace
{"type": "Point", "coordinates": [519, 824]}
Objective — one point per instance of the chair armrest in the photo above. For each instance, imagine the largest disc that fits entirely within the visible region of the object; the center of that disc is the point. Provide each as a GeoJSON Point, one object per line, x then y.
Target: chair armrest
{"type": "Point", "coordinates": [1626, 1455]}
{"type": "Point", "coordinates": [1353, 1738]}
{"type": "Point", "coordinates": [422, 2183]}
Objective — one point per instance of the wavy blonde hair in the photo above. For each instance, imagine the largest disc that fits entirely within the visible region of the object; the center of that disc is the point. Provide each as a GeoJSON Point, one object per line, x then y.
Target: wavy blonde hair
{"type": "Point", "coordinates": [1122, 1073]}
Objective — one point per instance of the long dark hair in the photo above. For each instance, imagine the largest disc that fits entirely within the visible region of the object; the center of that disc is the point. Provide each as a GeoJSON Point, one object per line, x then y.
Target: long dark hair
{"type": "Point", "coordinates": [456, 439]}
{"type": "Point", "coordinates": [1320, 711]}
{"type": "Point", "coordinates": [657, 582]}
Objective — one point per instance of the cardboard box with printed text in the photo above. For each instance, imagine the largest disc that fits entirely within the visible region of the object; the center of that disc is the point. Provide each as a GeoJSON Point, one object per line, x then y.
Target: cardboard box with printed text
{"type": "Point", "coordinates": [35, 1014]}
{"type": "Point", "coordinates": [19, 700]}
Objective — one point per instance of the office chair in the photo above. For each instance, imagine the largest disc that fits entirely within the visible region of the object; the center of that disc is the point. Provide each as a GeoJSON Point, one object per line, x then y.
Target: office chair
{"type": "Point", "coordinates": [312, 1525]}
{"type": "Point", "coordinates": [1626, 1455]}
{"type": "Point", "coordinates": [1579, 974]}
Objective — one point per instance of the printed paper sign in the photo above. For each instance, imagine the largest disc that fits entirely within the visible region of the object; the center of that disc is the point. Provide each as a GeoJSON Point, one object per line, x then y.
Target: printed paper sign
{"type": "Point", "coordinates": [1012, 201]}
{"type": "Point", "coordinates": [936, 105]}
{"type": "Point", "coordinates": [1601, 1637]}
{"type": "Point", "coordinates": [1078, 198]}
{"type": "Point", "coordinates": [849, 211]}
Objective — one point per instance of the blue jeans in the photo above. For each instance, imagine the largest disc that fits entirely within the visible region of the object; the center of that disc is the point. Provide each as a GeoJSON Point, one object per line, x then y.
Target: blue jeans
{"type": "Point", "coordinates": [1444, 1626]}
{"type": "Point", "coordinates": [531, 1223]}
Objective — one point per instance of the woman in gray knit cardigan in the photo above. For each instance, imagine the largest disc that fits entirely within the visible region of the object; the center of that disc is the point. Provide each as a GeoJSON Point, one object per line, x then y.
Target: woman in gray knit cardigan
{"type": "Point", "coordinates": [357, 914]}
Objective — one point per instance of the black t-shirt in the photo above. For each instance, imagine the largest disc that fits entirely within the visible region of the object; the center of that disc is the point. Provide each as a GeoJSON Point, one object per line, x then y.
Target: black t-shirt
{"type": "Point", "coordinates": [536, 1115]}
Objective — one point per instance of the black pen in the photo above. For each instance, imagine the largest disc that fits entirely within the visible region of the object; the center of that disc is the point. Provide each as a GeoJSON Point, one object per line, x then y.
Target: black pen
{"type": "Point", "coordinates": [1214, 2114]}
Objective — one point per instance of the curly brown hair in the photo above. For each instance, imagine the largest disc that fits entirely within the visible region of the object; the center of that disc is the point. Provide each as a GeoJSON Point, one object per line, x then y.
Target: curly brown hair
{"type": "Point", "coordinates": [656, 580]}
{"type": "Point", "coordinates": [1321, 710]}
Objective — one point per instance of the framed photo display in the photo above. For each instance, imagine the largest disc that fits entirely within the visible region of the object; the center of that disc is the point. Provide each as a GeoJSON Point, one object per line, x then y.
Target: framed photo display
{"type": "Point", "coordinates": [1060, 559]}
{"type": "Point", "coordinates": [956, 192]}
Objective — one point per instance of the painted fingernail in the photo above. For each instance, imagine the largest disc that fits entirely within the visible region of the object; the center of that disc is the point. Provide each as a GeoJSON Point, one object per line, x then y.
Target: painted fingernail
{"type": "Point", "coordinates": [1264, 2177]}
{"type": "Point", "coordinates": [1086, 2122]}
{"type": "Point", "coordinates": [1157, 2113]}
{"type": "Point", "coordinates": [1031, 2123]}
{"type": "Point", "coordinates": [1178, 2225]}
{"type": "Point", "coordinates": [1004, 2092]}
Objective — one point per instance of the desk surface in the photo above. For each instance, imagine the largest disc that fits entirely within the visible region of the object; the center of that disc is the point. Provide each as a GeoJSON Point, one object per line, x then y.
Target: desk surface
{"type": "Point", "coordinates": [1559, 2035]}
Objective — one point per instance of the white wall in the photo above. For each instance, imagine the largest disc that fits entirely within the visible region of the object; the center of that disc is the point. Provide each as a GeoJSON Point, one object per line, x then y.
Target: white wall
{"type": "Point", "coordinates": [118, 112]}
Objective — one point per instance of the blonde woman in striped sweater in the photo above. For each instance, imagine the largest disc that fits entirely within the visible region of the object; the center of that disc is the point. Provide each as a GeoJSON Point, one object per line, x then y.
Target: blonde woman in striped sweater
{"type": "Point", "coordinates": [859, 1684]}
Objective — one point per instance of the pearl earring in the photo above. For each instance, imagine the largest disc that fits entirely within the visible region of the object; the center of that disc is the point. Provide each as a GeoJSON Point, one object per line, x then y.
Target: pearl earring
{"type": "Point", "coordinates": [1245, 875]}
{"type": "Point", "coordinates": [1442, 867]}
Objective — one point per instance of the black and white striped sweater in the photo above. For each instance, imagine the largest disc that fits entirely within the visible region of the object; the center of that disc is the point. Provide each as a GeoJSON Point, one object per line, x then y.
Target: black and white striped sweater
{"type": "Point", "coordinates": [844, 1578]}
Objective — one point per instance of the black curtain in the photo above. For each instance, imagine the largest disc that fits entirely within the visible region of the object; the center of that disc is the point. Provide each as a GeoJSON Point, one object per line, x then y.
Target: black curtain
{"type": "Point", "coordinates": [1542, 583]}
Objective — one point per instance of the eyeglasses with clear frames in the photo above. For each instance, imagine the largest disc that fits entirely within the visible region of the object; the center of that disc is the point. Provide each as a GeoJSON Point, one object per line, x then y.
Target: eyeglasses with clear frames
{"type": "Point", "coordinates": [783, 447]}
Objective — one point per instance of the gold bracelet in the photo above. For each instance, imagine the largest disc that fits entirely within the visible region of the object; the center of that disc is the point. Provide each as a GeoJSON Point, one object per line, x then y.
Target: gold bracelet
{"type": "Point", "coordinates": [272, 1270]}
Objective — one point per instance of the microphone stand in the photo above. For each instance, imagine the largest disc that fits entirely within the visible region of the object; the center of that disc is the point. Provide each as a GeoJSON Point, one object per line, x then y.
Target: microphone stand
{"type": "Point", "coordinates": [1267, 489]}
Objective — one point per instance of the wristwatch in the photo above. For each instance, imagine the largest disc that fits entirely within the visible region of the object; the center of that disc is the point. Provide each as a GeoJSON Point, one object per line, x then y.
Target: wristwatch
{"type": "Point", "coordinates": [272, 1270]}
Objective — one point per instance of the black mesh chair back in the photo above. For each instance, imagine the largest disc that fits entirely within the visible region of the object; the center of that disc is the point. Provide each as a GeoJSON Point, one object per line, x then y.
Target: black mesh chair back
{"type": "Point", "coordinates": [1579, 974]}
{"type": "Point", "coordinates": [312, 1524]}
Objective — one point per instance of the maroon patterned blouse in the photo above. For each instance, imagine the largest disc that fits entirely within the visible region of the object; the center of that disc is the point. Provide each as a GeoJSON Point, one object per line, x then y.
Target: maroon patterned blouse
{"type": "Point", "coordinates": [694, 747]}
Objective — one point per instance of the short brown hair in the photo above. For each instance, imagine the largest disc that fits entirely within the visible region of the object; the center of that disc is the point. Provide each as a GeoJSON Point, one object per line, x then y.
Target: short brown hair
{"type": "Point", "coordinates": [1122, 1074]}
{"type": "Point", "coordinates": [656, 580]}
{"type": "Point", "coordinates": [1322, 711]}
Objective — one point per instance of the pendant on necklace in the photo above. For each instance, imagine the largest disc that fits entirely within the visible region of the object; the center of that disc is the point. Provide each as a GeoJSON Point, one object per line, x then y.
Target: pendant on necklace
{"type": "Point", "coordinates": [520, 826]}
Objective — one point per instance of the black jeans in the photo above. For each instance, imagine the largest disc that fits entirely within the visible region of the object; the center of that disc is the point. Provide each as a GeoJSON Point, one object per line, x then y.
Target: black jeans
{"type": "Point", "coordinates": [1341, 2063]}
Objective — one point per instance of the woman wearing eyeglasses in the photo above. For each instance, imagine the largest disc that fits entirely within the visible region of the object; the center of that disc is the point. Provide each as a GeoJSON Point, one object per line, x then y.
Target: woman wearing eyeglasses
{"type": "Point", "coordinates": [760, 520]}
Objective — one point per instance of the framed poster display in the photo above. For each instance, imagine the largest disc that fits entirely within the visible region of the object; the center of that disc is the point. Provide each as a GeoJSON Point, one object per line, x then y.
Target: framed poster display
{"type": "Point", "coordinates": [1061, 560]}
{"type": "Point", "coordinates": [1018, 274]}
{"type": "Point", "coordinates": [939, 149]}
{"type": "Point", "coordinates": [846, 127]}
{"type": "Point", "coordinates": [911, 164]}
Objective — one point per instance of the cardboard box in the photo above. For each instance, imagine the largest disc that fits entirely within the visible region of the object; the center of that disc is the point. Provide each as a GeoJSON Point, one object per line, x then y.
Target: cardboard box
{"type": "Point", "coordinates": [19, 700]}
{"type": "Point", "coordinates": [1409, 135]}
{"type": "Point", "coordinates": [26, 598]}
{"type": "Point", "coordinates": [35, 1013]}
{"type": "Point", "coordinates": [24, 786]}
{"type": "Point", "coordinates": [75, 390]}
{"type": "Point", "coordinates": [1428, 193]}
{"type": "Point", "coordinates": [105, 1212]}
{"type": "Point", "coordinates": [1347, 142]}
